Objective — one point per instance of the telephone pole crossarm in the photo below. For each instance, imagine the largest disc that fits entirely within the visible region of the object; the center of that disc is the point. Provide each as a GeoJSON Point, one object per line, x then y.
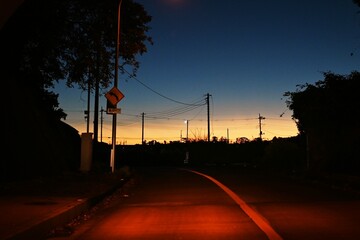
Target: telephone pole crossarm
{"type": "Point", "coordinates": [260, 133]}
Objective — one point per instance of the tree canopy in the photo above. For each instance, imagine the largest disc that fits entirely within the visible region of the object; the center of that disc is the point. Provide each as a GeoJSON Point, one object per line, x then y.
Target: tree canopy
{"type": "Point", "coordinates": [357, 2]}
{"type": "Point", "coordinates": [331, 103]}
{"type": "Point", "coordinates": [46, 41]}
{"type": "Point", "coordinates": [326, 113]}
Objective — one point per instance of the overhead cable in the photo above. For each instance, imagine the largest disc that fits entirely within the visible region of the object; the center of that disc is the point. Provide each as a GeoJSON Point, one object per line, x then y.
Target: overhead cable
{"type": "Point", "coordinates": [156, 92]}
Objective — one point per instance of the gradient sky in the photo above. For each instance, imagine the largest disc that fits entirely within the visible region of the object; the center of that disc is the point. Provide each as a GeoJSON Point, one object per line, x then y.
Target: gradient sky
{"type": "Point", "coordinates": [246, 54]}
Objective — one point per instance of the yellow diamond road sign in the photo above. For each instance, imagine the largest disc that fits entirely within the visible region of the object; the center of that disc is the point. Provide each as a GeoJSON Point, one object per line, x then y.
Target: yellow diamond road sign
{"type": "Point", "coordinates": [114, 95]}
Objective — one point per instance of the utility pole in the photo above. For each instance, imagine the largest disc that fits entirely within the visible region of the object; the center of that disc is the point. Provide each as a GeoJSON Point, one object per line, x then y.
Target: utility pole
{"type": "Point", "coordinates": [227, 132]}
{"type": "Point", "coordinates": [142, 127]}
{"type": "Point", "coordinates": [96, 98]}
{"type": "Point", "coordinates": [101, 123]}
{"type": "Point", "coordinates": [208, 115]}
{"type": "Point", "coordinates": [187, 130]}
{"type": "Point", "coordinates": [88, 106]}
{"type": "Point", "coordinates": [112, 155]}
{"type": "Point", "coordinates": [260, 133]}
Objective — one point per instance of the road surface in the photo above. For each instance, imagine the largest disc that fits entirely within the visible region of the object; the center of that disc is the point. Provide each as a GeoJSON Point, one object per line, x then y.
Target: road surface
{"type": "Point", "coordinates": [222, 203]}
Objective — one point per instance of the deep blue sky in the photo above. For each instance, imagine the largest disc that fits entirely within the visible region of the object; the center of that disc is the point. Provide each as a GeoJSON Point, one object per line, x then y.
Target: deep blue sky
{"type": "Point", "coordinates": [246, 54]}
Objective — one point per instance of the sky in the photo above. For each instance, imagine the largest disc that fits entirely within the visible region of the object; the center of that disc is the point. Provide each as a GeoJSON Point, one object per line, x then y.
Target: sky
{"type": "Point", "coordinates": [245, 54]}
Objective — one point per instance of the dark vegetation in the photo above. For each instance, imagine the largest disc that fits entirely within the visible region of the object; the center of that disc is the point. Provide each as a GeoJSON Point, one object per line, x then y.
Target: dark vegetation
{"type": "Point", "coordinates": [255, 154]}
{"type": "Point", "coordinates": [325, 114]}
{"type": "Point", "coordinates": [47, 41]}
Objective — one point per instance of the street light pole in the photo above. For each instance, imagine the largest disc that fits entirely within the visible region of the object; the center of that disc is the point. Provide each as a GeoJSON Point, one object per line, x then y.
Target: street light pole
{"type": "Point", "coordinates": [187, 130]}
{"type": "Point", "coordinates": [112, 155]}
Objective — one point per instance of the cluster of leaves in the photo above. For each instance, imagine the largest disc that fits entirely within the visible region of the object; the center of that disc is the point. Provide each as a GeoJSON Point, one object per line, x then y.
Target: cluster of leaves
{"type": "Point", "coordinates": [357, 2]}
{"type": "Point", "coordinates": [46, 41]}
{"type": "Point", "coordinates": [331, 103]}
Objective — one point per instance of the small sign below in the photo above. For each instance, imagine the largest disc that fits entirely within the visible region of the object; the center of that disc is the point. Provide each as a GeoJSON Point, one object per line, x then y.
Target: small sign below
{"type": "Point", "coordinates": [113, 111]}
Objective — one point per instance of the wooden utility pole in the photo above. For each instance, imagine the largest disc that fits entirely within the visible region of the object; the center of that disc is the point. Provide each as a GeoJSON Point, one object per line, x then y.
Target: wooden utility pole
{"type": "Point", "coordinates": [101, 123]}
{"type": "Point", "coordinates": [260, 133]}
{"type": "Point", "coordinates": [208, 115]}
{"type": "Point", "coordinates": [88, 106]}
{"type": "Point", "coordinates": [142, 127]}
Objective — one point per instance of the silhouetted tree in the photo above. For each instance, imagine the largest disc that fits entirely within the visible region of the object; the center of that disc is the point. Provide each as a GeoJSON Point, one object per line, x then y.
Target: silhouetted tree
{"type": "Point", "coordinates": [328, 103]}
{"type": "Point", "coordinates": [46, 41]}
{"type": "Point", "coordinates": [357, 2]}
{"type": "Point", "coordinates": [326, 112]}
{"type": "Point", "coordinates": [90, 56]}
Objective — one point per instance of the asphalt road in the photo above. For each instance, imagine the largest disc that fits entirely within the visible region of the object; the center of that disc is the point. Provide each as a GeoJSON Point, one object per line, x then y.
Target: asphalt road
{"type": "Point", "coordinates": [222, 203]}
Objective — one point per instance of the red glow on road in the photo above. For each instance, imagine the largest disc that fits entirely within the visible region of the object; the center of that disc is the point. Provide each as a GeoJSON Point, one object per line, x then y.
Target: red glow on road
{"type": "Point", "coordinates": [169, 221]}
{"type": "Point", "coordinates": [256, 217]}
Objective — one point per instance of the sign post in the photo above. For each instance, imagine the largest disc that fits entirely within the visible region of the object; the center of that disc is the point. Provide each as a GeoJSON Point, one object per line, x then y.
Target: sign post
{"type": "Point", "coordinates": [115, 86]}
{"type": "Point", "coordinates": [113, 97]}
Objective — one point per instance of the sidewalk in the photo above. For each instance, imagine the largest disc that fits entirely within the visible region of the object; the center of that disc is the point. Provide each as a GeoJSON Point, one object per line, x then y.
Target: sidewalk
{"type": "Point", "coordinates": [30, 210]}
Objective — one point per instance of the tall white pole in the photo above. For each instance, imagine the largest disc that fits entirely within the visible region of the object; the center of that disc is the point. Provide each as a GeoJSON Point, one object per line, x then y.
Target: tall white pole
{"type": "Point", "coordinates": [112, 155]}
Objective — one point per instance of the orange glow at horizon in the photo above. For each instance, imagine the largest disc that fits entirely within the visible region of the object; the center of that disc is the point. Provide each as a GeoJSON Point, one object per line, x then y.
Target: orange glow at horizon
{"type": "Point", "coordinates": [175, 129]}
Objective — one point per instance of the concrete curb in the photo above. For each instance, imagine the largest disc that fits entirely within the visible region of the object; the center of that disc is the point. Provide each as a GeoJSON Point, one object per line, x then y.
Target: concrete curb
{"type": "Point", "coordinates": [63, 216]}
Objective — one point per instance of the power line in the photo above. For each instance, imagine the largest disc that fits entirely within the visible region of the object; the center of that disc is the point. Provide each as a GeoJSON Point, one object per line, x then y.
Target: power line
{"type": "Point", "coordinates": [154, 91]}
{"type": "Point", "coordinates": [172, 112]}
